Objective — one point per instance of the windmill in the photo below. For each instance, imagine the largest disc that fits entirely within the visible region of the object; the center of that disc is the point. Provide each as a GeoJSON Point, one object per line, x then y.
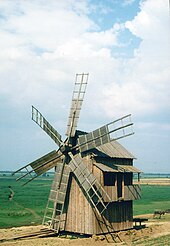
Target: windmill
{"type": "Point", "coordinates": [70, 162]}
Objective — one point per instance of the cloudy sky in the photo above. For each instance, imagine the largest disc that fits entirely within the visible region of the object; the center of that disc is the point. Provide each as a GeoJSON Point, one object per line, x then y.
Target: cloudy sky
{"type": "Point", "coordinates": [122, 44]}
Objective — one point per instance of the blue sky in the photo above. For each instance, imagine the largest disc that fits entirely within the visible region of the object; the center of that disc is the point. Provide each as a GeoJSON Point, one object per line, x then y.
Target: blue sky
{"type": "Point", "coordinates": [124, 45]}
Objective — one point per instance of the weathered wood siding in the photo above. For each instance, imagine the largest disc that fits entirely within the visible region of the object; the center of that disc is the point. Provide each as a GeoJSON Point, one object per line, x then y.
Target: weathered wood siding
{"type": "Point", "coordinates": [120, 215]}
{"type": "Point", "coordinates": [117, 161]}
{"type": "Point", "coordinates": [129, 192]}
{"type": "Point", "coordinates": [80, 215]}
{"type": "Point", "coordinates": [81, 218]}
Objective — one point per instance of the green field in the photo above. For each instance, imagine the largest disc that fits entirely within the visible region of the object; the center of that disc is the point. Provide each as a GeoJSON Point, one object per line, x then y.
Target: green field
{"type": "Point", "coordinates": [29, 202]}
{"type": "Point", "coordinates": [154, 197]}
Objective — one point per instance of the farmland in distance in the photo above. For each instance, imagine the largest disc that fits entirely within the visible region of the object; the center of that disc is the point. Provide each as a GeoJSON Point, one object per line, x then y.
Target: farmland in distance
{"type": "Point", "coordinates": [28, 204]}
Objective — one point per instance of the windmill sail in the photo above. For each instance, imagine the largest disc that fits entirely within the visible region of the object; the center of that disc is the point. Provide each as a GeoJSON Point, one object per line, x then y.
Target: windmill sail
{"type": "Point", "coordinates": [45, 125]}
{"type": "Point", "coordinates": [115, 130]}
{"type": "Point", "coordinates": [77, 100]}
{"type": "Point", "coordinates": [90, 185]}
{"type": "Point", "coordinates": [45, 163]}
{"type": "Point", "coordinates": [54, 214]}
{"type": "Point", "coordinates": [39, 166]}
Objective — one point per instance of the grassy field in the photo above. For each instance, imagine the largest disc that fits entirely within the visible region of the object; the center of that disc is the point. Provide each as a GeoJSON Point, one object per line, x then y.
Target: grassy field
{"type": "Point", "coordinates": [29, 202]}
{"type": "Point", "coordinates": [154, 197]}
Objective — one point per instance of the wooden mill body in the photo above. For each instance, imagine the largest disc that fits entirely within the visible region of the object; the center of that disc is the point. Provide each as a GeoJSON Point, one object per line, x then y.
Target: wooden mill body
{"type": "Point", "coordinates": [105, 163]}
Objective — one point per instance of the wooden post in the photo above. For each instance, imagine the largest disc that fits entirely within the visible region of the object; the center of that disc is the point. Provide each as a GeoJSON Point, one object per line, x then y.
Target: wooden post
{"type": "Point", "coordinates": [123, 185]}
{"type": "Point", "coordinates": [116, 187]}
{"type": "Point", "coordinates": [138, 178]}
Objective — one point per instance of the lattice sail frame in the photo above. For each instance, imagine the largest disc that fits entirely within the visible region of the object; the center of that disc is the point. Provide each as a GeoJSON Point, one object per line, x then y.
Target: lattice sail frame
{"type": "Point", "coordinates": [39, 166]}
{"type": "Point", "coordinates": [76, 104]}
{"type": "Point", "coordinates": [113, 131]}
{"type": "Point", "coordinates": [45, 125]}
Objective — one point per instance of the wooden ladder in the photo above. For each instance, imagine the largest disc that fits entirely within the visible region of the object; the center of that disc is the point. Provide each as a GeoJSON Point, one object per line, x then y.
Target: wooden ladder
{"type": "Point", "coordinates": [90, 184]}
{"type": "Point", "coordinates": [111, 236]}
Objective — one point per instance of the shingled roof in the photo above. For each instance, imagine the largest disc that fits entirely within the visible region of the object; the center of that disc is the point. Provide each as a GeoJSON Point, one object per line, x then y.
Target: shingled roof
{"type": "Point", "coordinates": [114, 150]}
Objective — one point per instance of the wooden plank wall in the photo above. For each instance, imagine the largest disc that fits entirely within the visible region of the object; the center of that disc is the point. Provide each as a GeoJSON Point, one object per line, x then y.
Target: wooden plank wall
{"type": "Point", "coordinates": [120, 216]}
{"type": "Point", "coordinates": [111, 190]}
{"type": "Point", "coordinates": [79, 213]}
{"type": "Point", "coordinates": [80, 216]}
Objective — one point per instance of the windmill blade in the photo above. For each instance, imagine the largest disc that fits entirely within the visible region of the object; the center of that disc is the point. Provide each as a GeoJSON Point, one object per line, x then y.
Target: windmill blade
{"type": "Point", "coordinates": [77, 100]}
{"type": "Point", "coordinates": [54, 215]}
{"type": "Point", "coordinates": [45, 125]}
{"type": "Point", "coordinates": [92, 188]}
{"type": "Point", "coordinates": [115, 130]}
{"type": "Point", "coordinates": [40, 166]}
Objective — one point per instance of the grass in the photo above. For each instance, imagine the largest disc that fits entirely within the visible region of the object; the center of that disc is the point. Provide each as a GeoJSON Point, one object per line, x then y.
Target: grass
{"type": "Point", "coordinates": [154, 197]}
{"type": "Point", "coordinates": [163, 240]}
{"type": "Point", "coordinates": [29, 202]}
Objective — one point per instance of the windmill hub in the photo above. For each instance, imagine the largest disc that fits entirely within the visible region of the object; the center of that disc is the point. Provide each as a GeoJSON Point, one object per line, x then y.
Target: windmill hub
{"type": "Point", "coordinates": [65, 149]}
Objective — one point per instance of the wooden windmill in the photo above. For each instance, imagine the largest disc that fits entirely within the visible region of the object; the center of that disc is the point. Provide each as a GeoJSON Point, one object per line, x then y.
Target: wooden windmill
{"type": "Point", "coordinates": [79, 200]}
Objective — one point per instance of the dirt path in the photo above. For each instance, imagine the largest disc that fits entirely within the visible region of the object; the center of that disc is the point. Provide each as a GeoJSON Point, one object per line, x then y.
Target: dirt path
{"type": "Point", "coordinates": [153, 229]}
{"type": "Point", "coordinates": [29, 210]}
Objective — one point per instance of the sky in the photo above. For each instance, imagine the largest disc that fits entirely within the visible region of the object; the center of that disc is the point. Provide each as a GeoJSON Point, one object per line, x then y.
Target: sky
{"type": "Point", "coordinates": [124, 45]}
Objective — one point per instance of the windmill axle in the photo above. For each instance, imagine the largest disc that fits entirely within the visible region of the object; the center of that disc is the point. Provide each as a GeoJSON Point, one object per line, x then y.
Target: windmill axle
{"type": "Point", "coordinates": [65, 149]}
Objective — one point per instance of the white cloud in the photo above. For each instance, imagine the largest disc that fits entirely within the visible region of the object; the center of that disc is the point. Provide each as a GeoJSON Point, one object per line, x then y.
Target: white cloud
{"type": "Point", "coordinates": [158, 127]}
{"type": "Point", "coordinates": [148, 22]}
{"type": "Point", "coordinates": [46, 28]}
{"type": "Point", "coordinates": [101, 39]}
{"type": "Point", "coordinates": [145, 87]}
{"type": "Point", "coordinates": [44, 45]}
